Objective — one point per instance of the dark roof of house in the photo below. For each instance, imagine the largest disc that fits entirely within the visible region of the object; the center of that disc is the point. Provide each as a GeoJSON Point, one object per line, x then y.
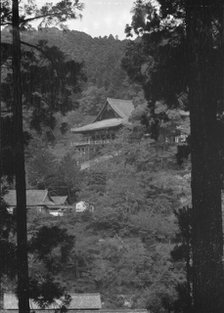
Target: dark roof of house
{"type": "Point", "coordinates": [34, 198]}
{"type": "Point", "coordinates": [83, 301]}
{"type": "Point", "coordinates": [123, 108]}
{"type": "Point", "coordinates": [59, 200]}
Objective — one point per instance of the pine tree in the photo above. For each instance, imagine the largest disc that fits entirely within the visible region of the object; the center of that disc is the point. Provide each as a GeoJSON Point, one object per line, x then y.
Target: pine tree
{"type": "Point", "coordinates": [22, 260]}
{"type": "Point", "coordinates": [60, 11]}
{"type": "Point", "coordinates": [182, 50]}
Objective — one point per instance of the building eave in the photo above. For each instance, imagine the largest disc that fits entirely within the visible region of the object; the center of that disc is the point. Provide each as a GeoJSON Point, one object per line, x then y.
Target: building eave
{"type": "Point", "coordinates": [99, 125]}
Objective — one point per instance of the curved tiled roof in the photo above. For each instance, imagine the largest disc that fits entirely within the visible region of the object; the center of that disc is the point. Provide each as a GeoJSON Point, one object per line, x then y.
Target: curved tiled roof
{"type": "Point", "coordinates": [123, 108]}
{"type": "Point", "coordinates": [109, 123]}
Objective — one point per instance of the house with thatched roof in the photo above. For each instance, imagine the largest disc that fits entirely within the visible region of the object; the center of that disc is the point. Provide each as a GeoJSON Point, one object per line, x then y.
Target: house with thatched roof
{"type": "Point", "coordinates": [40, 201]}
{"type": "Point", "coordinates": [59, 206]}
{"type": "Point", "coordinates": [60, 200]}
{"type": "Point", "coordinates": [113, 116]}
{"type": "Point", "coordinates": [85, 303]}
{"type": "Point", "coordinates": [35, 199]}
{"type": "Point", "coordinates": [80, 303]}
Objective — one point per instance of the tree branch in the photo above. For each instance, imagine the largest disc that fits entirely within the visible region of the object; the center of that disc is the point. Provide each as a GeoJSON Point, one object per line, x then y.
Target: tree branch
{"type": "Point", "coordinates": [37, 48]}
{"type": "Point", "coordinates": [40, 16]}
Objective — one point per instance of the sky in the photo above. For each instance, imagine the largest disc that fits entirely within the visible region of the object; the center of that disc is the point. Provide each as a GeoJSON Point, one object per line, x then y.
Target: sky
{"type": "Point", "coordinates": [104, 17]}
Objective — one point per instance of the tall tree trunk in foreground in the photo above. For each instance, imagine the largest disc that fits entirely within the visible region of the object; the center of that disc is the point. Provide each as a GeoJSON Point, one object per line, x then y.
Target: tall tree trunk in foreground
{"type": "Point", "coordinates": [22, 262]}
{"type": "Point", "coordinates": [0, 108]}
{"type": "Point", "coordinates": [204, 79]}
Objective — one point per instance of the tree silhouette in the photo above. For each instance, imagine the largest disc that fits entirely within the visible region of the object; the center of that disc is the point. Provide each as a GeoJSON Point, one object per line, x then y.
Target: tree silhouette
{"type": "Point", "coordinates": [181, 49]}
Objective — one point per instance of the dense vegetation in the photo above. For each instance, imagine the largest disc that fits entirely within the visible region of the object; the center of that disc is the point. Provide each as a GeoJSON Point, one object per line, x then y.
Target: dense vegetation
{"type": "Point", "coordinates": [101, 57]}
{"type": "Point", "coordinates": [94, 73]}
{"type": "Point", "coordinates": [181, 52]}
{"type": "Point", "coordinates": [132, 231]}
{"type": "Point", "coordinates": [123, 249]}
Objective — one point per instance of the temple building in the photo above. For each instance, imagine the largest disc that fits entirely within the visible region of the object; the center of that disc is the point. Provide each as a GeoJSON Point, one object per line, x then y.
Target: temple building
{"type": "Point", "coordinates": [112, 117]}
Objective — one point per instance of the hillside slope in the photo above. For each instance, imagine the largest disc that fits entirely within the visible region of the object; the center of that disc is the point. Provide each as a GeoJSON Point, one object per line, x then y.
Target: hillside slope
{"type": "Point", "coordinates": [101, 56]}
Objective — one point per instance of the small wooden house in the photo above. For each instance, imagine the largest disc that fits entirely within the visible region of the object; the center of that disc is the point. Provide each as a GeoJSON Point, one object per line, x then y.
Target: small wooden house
{"type": "Point", "coordinates": [112, 117]}
{"type": "Point", "coordinates": [60, 200]}
{"type": "Point", "coordinates": [38, 200]}
{"type": "Point", "coordinates": [80, 302]}
{"type": "Point", "coordinates": [60, 205]}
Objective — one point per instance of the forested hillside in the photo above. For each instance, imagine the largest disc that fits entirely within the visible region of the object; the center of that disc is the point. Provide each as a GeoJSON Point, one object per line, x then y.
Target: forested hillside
{"type": "Point", "coordinates": [122, 249]}
{"type": "Point", "coordinates": [95, 75]}
{"type": "Point", "coordinates": [101, 56]}
{"type": "Point", "coordinates": [98, 74]}
{"type": "Point", "coordinates": [153, 237]}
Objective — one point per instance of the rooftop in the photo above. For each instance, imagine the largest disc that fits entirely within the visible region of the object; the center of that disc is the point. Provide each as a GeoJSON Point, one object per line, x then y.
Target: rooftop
{"type": "Point", "coordinates": [85, 301]}
{"type": "Point", "coordinates": [59, 200]}
{"type": "Point", "coordinates": [109, 123]}
{"type": "Point", "coordinates": [34, 198]}
{"type": "Point", "coordinates": [81, 301]}
{"type": "Point", "coordinates": [122, 108]}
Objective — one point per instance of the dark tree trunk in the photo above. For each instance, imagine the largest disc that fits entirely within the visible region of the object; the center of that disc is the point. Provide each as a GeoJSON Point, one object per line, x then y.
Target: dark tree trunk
{"type": "Point", "coordinates": [22, 262]}
{"type": "Point", "coordinates": [1, 294]}
{"type": "Point", "coordinates": [188, 270]}
{"type": "Point", "coordinates": [0, 110]}
{"type": "Point", "coordinates": [204, 80]}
